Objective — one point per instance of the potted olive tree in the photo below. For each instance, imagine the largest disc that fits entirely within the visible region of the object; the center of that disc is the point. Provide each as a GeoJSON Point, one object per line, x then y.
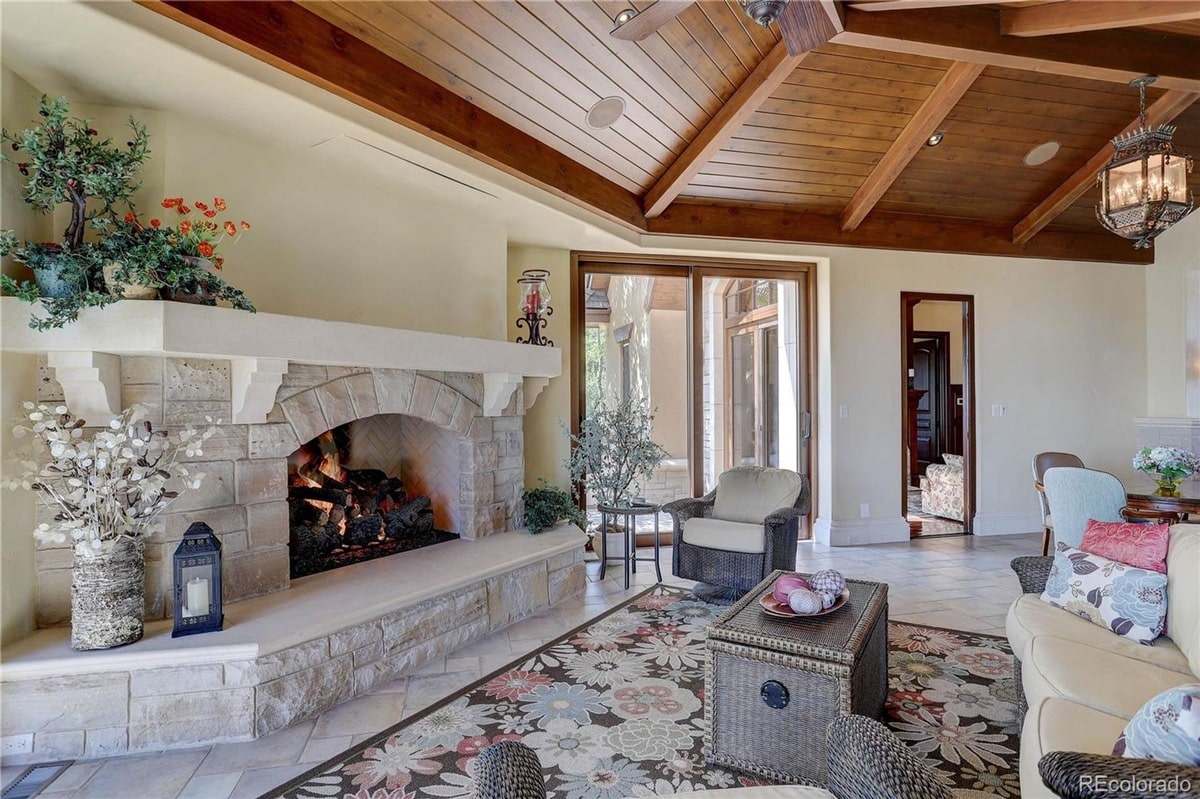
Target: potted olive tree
{"type": "Point", "coordinates": [613, 453]}
{"type": "Point", "coordinates": [65, 161]}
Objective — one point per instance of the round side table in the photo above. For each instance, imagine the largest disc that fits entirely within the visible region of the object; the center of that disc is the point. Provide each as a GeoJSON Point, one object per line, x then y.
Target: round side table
{"type": "Point", "coordinates": [629, 533]}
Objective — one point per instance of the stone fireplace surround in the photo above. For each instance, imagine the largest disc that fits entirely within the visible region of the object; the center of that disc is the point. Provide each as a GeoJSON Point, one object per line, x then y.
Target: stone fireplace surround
{"type": "Point", "coordinates": [290, 649]}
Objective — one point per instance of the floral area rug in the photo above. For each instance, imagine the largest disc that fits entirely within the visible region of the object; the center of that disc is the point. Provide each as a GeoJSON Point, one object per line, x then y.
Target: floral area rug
{"type": "Point", "coordinates": [615, 709]}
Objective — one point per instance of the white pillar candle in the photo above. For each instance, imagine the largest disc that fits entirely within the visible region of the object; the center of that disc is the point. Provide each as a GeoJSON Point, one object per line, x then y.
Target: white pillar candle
{"type": "Point", "coordinates": [197, 596]}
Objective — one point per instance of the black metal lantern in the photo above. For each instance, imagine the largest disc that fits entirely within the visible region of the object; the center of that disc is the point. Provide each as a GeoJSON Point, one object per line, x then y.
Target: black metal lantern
{"type": "Point", "coordinates": [198, 582]}
{"type": "Point", "coordinates": [535, 306]}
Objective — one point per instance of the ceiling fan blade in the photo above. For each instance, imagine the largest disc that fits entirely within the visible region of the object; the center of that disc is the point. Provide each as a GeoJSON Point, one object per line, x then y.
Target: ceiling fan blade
{"type": "Point", "coordinates": [650, 19]}
{"type": "Point", "coordinates": [808, 24]}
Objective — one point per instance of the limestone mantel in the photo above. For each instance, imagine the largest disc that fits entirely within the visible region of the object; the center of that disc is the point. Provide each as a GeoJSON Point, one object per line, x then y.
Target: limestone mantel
{"type": "Point", "coordinates": [259, 347]}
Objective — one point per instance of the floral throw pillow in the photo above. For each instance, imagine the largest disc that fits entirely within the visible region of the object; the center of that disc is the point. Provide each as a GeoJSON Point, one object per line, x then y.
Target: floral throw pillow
{"type": "Point", "coordinates": [1141, 545]}
{"type": "Point", "coordinates": [1129, 601]}
{"type": "Point", "coordinates": [1166, 729]}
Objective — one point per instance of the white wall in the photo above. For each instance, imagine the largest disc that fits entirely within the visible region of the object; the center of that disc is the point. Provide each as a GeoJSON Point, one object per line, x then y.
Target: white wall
{"type": "Point", "coordinates": [546, 444]}
{"type": "Point", "coordinates": [18, 373]}
{"type": "Point", "coordinates": [1172, 285]}
{"type": "Point", "coordinates": [330, 243]}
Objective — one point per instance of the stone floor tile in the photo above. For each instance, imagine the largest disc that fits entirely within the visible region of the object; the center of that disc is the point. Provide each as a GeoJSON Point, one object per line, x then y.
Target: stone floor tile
{"type": "Point", "coordinates": [493, 644]}
{"type": "Point", "coordinates": [431, 666]}
{"type": "Point", "coordinates": [281, 748]}
{"type": "Point", "coordinates": [256, 782]}
{"type": "Point", "coordinates": [455, 664]}
{"type": "Point", "coordinates": [364, 714]}
{"type": "Point", "coordinates": [396, 686]}
{"type": "Point", "coordinates": [162, 775]}
{"type": "Point", "coordinates": [319, 750]}
{"type": "Point", "coordinates": [211, 786]}
{"type": "Point", "coordinates": [424, 691]}
{"type": "Point", "coordinates": [73, 778]}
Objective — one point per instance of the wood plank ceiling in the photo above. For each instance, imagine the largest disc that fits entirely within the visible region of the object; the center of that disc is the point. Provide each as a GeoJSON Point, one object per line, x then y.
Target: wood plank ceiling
{"type": "Point", "coordinates": [724, 133]}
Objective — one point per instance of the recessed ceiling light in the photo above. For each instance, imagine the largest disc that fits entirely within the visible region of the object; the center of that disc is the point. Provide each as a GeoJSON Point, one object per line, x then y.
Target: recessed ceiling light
{"type": "Point", "coordinates": [624, 16]}
{"type": "Point", "coordinates": [1042, 153]}
{"type": "Point", "coordinates": [935, 139]}
{"type": "Point", "coordinates": [605, 112]}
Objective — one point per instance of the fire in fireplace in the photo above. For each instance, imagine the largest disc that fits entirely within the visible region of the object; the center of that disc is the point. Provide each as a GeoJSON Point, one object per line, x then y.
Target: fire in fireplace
{"type": "Point", "coordinates": [340, 515]}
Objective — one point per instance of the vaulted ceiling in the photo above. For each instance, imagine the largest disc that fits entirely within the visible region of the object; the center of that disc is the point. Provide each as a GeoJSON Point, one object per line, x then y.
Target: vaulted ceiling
{"type": "Point", "coordinates": [726, 133]}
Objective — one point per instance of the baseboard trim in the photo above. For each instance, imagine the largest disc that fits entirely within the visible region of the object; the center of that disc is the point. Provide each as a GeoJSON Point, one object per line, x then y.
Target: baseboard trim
{"type": "Point", "coordinates": [858, 532]}
{"type": "Point", "coordinates": [1012, 523]}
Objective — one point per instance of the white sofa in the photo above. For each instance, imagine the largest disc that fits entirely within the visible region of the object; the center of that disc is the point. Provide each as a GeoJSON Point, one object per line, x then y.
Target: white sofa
{"type": "Point", "coordinates": [1083, 683]}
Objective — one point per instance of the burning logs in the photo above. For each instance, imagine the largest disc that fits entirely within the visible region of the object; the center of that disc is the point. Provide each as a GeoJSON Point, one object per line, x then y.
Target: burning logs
{"type": "Point", "coordinates": [364, 514]}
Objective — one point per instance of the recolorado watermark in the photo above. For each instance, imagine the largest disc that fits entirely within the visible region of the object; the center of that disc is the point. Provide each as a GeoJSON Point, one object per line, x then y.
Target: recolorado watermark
{"type": "Point", "coordinates": [1102, 783]}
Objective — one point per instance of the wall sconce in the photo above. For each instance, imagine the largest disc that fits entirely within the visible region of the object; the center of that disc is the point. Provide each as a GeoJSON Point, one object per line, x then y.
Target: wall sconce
{"type": "Point", "coordinates": [197, 570]}
{"type": "Point", "coordinates": [535, 306]}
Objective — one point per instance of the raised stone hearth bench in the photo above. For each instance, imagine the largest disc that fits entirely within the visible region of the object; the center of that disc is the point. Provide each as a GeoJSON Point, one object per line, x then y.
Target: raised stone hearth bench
{"type": "Point", "coordinates": [283, 657]}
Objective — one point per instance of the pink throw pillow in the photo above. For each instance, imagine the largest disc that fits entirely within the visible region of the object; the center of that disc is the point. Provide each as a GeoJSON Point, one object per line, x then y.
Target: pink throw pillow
{"type": "Point", "coordinates": [1143, 546]}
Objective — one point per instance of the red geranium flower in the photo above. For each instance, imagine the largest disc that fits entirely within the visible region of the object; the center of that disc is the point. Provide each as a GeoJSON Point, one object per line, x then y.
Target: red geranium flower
{"type": "Point", "coordinates": [154, 223]}
{"type": "Point", "coordinates": [218, 203]}
{"type": "Point", "coordinates": [210, 213]}
{"type": "Point", "coordinates": [245, 225]}
{"type": "Point", "coordinates": [185, 227]}
{"type": "Point", "coordinates": [205, 249]}
{"type": "Point", "coordinates": [230, 228]}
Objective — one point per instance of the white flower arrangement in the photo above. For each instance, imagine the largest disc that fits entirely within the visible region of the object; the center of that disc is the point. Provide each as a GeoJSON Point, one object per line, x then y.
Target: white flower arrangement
{"type": "Point", "coordinates": [1170, 462]}
{"type": "Point", "coordinates": [108, 486]}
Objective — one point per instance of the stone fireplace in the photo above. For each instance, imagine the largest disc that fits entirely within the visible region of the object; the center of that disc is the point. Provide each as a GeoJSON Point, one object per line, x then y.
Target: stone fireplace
{"type": "Point", "coordinates": [444, 418]}
{"type": "Point", "coordinates": [471, 464]}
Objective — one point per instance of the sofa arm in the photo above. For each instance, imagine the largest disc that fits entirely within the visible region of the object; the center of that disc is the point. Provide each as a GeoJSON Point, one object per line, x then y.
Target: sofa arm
{"type": "Point", "coordinates": [1033, 571]}
{"type": "Point", "coordinates": [866, 761]}
{"type": "Point", "coordinates": [1076, 775]}
{"type": "Point", "coordinates": [509, 770]}
{"type": "Point", "coordinates": [943, 471]}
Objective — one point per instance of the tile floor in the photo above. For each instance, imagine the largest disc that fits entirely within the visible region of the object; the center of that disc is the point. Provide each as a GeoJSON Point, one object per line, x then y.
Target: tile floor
{"type": "Point", "coordinates": [961, 582]}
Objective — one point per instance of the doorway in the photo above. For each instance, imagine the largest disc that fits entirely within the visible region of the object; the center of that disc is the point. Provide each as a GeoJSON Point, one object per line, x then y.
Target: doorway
{"type": "Point", "coordinates": [937, 448]}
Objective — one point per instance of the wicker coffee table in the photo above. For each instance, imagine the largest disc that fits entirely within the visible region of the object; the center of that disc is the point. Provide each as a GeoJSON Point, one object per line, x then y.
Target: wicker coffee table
{"type": "Point", "coordinates": [772, 685]}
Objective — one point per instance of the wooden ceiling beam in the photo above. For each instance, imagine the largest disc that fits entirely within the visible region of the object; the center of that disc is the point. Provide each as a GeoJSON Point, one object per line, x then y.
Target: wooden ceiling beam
{"type": "Point", "coordinates": [809, 24]}
{"type": "Point", "coordinates": [1094, 15]}
{"type": "Point", "coordinates": [949, 90]}
{"type": "Point", "coordinates": [891, 232]}
{"type": "Point", "coordinates": [966, 33]}
{"type": "Point", "coordinates": [898, 5]}
{"type": "Point", "coordinates": [300, 43]}
{"type": "Point", "coordinates": [1163, 110]}
{"type": "Point", "coordinates": [754, 90]}
{"type": "Point", "coordinates": [650, 19]}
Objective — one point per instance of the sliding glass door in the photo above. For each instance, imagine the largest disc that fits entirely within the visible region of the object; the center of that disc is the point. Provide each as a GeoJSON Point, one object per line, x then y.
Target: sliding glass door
{"type": "Point", "coordinates": [719, 352]}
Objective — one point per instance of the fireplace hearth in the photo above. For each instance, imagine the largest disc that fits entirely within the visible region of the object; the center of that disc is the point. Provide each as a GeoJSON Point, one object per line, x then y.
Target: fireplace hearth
{"type": "Point", "coordinates": [339, 515]}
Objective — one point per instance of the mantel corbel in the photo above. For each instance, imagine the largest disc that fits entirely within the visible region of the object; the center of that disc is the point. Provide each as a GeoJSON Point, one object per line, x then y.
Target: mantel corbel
{"type": "Point", "coordinates": [498, 389]}
{"type": "Point", "coordinates": [91, 383]}
{"type": "Point", "coordinates": [254, 383]}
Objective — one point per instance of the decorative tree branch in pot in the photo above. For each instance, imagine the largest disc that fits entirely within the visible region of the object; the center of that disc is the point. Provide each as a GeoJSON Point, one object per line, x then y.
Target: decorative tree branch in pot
{"type": "Point", "coordinates": [104, 492]}
{"type": "Point", "coordinates": [614, 453]}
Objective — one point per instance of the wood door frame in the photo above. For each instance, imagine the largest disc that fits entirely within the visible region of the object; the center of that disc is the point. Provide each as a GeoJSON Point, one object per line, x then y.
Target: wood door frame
{"type": "Point", "coordinates": [943, 371]}
{"type": "Point", "coordinates": [908, 299]}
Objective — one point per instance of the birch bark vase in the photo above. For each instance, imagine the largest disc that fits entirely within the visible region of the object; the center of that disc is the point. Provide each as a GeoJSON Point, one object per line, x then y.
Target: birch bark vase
{"type": "Point", "coordinates": [108, 602]}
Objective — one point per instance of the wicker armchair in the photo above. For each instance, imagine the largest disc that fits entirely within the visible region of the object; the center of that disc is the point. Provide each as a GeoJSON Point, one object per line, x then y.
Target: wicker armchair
{"type": "Point", "coordinates": [866, 761]}
{"type": "Point", "coordinates": [702, 554]}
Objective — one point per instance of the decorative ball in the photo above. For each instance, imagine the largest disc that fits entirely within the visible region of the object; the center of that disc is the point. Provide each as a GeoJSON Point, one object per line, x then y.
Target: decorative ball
{"type": "Point", "coordinates": [804, 602]}
{"type": "Point", "coordinates": [786, 584]}
{"type": "Point", "coordinates": [830, 581]}
{"type": "Point", "coordinates": [827, 599]}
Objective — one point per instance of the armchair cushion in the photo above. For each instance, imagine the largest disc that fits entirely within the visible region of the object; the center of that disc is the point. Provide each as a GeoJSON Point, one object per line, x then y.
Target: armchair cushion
{"type": "Point", "coordinates": [942, 491]}
{"type": "Point", "coordinates": [729, 536]}
{"type": "Point", "coordinates": [750, 493]}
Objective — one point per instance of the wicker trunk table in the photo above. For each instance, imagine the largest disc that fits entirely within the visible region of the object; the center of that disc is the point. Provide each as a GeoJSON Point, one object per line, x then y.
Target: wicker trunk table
{"type": "Point", "coordinates": [772, 685]}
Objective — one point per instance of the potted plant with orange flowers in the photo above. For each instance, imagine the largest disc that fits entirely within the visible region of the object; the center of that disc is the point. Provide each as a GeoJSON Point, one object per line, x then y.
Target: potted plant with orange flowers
{"type": "Point", "coordinates": [177, 261]}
